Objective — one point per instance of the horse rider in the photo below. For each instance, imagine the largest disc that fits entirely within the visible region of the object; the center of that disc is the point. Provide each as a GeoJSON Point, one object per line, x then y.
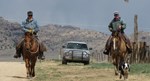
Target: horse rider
{"type": "Point", "coordinates": [30, 25]}
{"type": "Point", "coordinates": [117, 24]}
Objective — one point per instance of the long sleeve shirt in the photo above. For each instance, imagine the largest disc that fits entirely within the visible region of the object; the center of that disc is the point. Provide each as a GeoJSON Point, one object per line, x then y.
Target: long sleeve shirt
{"type": "Point", "coordinates": [114, 25]}
{"type": "Point", "coordinates": [30, 25]}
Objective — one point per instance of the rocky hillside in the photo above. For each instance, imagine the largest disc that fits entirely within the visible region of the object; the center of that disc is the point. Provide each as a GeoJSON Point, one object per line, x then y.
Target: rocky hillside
{"type": "Point", "coordinates": [9, 31]}
{"type": "Point", "coordinates": [53, 36]}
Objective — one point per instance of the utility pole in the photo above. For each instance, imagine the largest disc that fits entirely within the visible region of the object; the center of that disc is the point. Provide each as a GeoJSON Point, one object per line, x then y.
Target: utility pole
{"type": "Point", "coordinates": [135, 49]}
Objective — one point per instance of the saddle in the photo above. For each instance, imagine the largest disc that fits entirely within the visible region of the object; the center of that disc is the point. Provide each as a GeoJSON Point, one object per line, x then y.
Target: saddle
{"type": "Point", "coordinates": [41, 45]}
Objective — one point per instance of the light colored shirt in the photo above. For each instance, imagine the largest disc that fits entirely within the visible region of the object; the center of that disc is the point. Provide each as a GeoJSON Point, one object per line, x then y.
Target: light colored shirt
{"type": "Point", "coordinates": [30, 25]}
{"type": "Point", "coordinates": [114, 24]}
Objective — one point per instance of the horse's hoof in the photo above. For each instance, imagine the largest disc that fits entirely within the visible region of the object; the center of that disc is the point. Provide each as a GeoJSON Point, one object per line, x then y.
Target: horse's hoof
{"type": "Point", "coordinates": [120, 77]}
{"type": "Point", "coordinates": [125, 78]}
{"type": "Point", "coordinates": [33, 75]}
{"type": "Point", "coordinates": [29, 77]}
{"type": "Point", "coordinates": [116, 74]}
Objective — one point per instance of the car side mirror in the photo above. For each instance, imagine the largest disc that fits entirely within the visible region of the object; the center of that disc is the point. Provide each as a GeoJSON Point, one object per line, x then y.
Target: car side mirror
{"type": "Point", "coordinates": [63, 46]}
{"type": "Point", "coordinates": [90, 49]}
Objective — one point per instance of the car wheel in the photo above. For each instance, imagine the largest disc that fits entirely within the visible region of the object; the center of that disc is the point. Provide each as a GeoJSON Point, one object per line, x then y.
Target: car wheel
{"type": "Point", "coordinates": [86, 63]}
{"type": "Point", "coordinates": [64, 61]}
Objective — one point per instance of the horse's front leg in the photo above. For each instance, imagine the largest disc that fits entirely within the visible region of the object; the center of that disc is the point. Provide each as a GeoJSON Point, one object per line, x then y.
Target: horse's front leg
{"type": "Point", "coordinates": [114, 61]}
{"type": "Point", "coordinates": [33, 67]}
{"type": "Point", "coordinates": [27, 64]}
{"type": "Point", "coordinates": [116, 69]}
{"type": "Point", "coordinates": [116, 64]}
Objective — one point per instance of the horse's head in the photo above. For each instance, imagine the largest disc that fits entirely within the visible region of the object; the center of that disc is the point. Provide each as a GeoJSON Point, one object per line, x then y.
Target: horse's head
{"type": "Point", "coordinates": [28, 40]}
{"type": "Point", "coordinates": [115, 40]}
{"type": "Point", "coordinates": [31, 43]}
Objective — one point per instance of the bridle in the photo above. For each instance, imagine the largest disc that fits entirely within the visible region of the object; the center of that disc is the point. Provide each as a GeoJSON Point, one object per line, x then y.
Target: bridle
{"type": "Point", "coordinates": [30, 45]}
{"type": "Point", "coordinates": [115, 39]}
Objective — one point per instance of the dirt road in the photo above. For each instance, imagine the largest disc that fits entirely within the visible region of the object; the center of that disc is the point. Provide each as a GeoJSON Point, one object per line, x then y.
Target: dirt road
{"type": "Point", "coordinates": [12, 71]}
{"type": "Point", "coordinates": [54, 71]}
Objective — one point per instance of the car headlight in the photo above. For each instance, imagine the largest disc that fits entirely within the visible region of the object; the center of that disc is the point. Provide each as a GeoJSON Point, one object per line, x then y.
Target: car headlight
{"type": "Point", "coordinates": [84, 53]}
{"type": "Point", "coordinates": [68, 53]}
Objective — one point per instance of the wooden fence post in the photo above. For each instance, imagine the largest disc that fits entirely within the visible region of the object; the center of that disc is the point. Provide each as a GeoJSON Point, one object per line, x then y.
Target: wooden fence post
{"type": "Point", "coordinates": [136, 38]}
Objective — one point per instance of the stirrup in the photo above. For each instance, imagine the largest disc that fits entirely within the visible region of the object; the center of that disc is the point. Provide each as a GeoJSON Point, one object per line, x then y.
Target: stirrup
{"type": "Point", "coordinates": [16, 56]}
{"type": "Point", "coordinates": [41, 57]}
{"type": "Point", "coordinates": [106, 52]}
{"type": "Point", "coordinates": [129, 51]}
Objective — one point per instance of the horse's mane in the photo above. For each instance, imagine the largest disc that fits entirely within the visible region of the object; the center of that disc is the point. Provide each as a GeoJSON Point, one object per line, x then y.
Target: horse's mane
{"type": "Point", "coordinates": [34, 42]}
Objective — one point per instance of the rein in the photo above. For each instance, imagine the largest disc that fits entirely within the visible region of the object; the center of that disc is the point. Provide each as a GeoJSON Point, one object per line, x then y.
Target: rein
{"type": "Point", "coordinates": [36, 49]}
{"type": "Point", "coordinates": [116, 37]}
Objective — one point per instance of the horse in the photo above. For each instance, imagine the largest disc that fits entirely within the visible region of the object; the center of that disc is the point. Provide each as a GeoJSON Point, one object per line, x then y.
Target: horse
{"type": "Point", "coordinates": [118, 50]}
{"type": "Point", "coordinates": [30, 52]}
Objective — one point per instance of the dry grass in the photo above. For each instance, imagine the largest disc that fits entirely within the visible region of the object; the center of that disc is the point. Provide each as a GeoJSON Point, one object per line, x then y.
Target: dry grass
{"type": "Point", "coordinates": [54, 71]}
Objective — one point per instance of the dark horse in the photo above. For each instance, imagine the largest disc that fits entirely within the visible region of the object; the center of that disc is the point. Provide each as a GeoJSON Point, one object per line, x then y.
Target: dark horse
{"type": "Point", "coordinates": [118, 50]}
{"type": "Point", "coordinates": [30, 52]}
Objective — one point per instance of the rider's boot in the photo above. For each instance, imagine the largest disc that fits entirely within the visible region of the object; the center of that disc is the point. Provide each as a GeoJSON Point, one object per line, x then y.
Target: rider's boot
{"type": "Point", "coordinates": [18, 53]}
{"type": "Point", "coordinates": [129, 50]}
{"type": "Point", "coordinates": [41, 56]}
{"type": "Point", "coordinates": [19, 49]}
{"type": "Point", "coordinates": [107, 46]}
{"type": "Point", "coordinates": [106, 52]}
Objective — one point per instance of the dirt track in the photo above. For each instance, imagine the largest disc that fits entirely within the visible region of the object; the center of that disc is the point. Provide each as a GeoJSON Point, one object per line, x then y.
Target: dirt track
{"type": "Point", "coordinates": [16, 71]}
{"type": "Point", "coordinates": [12, 71]}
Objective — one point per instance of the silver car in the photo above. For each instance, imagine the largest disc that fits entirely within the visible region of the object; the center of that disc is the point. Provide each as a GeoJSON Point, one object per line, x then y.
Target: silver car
{"type": "Point", "coordinates": [76, 52]}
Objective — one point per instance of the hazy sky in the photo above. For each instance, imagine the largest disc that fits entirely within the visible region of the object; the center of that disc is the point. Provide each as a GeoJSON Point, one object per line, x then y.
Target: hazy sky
{"type": "Point", "coordinates": [87, 14]}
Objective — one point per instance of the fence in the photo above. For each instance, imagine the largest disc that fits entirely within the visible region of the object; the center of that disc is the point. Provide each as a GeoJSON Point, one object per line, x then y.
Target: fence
{"type": "Point", "coordinates": [141, 53]}
{"type": "Point", "coordinates": [98, 56]}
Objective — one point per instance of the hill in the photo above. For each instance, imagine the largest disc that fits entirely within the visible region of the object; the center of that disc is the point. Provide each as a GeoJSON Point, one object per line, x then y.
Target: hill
{"type": "Point", "coordinates": [8, 33]}
{"type": "Point", "coordinates": [53, 36]}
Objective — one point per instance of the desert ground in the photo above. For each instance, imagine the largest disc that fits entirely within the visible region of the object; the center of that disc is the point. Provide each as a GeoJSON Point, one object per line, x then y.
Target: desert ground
{"type": "Point", "coordinates": [54, 71]}
{"type": "Point", "coordinates": [12, 71]}
{"type": "Point", "coordinates": [51, 70]}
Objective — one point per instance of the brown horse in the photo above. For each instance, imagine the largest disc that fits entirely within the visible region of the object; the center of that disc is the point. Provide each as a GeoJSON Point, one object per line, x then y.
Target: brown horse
{"type": "Point", "coordinates": [30, 52]}
{"type": "Point", "coordinates": [118, 50]}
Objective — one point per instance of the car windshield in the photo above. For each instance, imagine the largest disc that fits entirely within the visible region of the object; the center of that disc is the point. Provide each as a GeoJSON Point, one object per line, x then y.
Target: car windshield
{"type": "Point", "coordinates": [77, 46]}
